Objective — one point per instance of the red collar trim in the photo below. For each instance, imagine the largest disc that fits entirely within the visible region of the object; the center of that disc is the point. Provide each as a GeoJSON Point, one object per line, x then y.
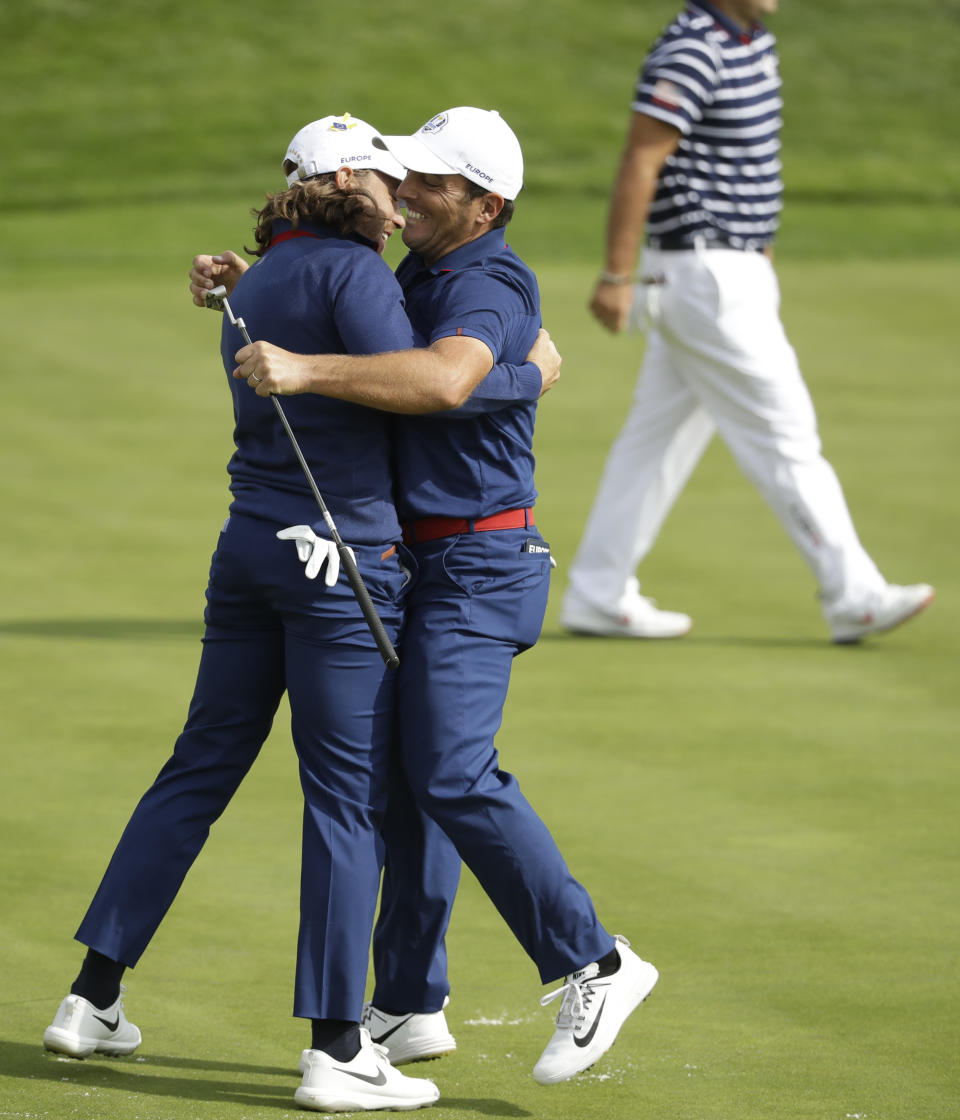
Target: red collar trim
{"type": "Point", "coordinates": [289, 234]}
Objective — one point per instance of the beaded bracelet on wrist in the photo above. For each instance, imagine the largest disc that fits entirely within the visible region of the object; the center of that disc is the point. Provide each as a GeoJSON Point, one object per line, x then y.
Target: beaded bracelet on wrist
{"type": "Point", "coordinates": [614, 278]}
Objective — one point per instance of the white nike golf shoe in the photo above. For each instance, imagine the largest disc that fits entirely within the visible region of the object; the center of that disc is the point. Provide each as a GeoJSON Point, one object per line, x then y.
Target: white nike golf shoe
{"type": "Point", "coordinates": [633, 616]}
{"type": "Point", "coordinates": [79, 1029]}
{"type": "Point", "coordinates": [881, 610]}
{"type": "Point", "coordinates": [594, 1009]}
{"type": "Point", "coordinates": [409, 1038]}
{"type": "Point", "coordinates": [364, 1084]}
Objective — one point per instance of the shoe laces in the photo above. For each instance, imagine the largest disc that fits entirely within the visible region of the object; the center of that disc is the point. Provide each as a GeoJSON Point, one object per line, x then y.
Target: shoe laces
{"type": "Point", "coordinates": [577, 991]}
{"type": "Point", "coordinates": [380, 1051]}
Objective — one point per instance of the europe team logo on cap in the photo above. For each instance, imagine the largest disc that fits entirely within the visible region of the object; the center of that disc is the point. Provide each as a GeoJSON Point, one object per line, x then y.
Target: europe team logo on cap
{"type": "Point", "coordinates": [435, 123]}
{"type": "Point", "coordinates": [343, 124]}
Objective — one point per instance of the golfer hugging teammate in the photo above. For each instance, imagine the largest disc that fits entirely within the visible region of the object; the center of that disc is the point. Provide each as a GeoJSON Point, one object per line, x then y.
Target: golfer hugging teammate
{"type": "Point", "coordinates": [400, 760]}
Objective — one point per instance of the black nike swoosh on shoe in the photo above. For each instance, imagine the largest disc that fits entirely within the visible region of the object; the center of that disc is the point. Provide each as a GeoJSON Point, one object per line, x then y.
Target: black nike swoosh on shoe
{"type": "Point", "coordinates": [386, 1034]}
{"type": "Point", "coordinates": [106, 1022]}
{"type": "Point", "coordinates": [588, 1037]}
{"type": "Point", "coordinates": [380, 1079]}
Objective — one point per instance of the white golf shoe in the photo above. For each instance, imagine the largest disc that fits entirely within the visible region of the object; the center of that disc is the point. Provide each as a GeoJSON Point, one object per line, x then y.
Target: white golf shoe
{"type": "Point", "coordinates": [594, 1009]}
{"type": "Point", "coordinates": [879, 611]}
{"type": "Point", "coordinates": [409, 1038]}
{"type": "Point", "coordinates": [634, 616]}
{"type": "Point", "coordinates": [80, 1029]}
{"type": "Point", "coordinates": [364, 1084]}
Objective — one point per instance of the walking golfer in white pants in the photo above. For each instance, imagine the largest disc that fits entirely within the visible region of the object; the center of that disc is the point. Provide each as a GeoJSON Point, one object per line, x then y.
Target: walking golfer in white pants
{"type": "Point", "coordinates": [700, 170]}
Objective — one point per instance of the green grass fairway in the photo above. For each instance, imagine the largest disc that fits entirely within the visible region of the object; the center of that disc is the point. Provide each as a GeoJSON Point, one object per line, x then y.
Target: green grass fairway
{"type": "Point", "coordinates": [771, 820]}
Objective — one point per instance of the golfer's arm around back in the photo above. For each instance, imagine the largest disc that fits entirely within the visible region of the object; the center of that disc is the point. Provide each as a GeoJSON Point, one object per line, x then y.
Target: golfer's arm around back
{"type": "Point", "coordinates": [648, 145]}
{"type": "Point", "coordinates": [210, 271]}
{"type": "Point", "coordinates": [436, 378]}
{"type": "Point", "coordinates": [432, 379]}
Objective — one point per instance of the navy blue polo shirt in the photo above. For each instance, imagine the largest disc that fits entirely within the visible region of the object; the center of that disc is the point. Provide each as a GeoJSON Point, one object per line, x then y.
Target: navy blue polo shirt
{"type": "Point", "coordinates": [720, 86]}
{"type": "Point", "coordinates": [472, 462]}
{"type": "Point", "coordinates": [321, 293]}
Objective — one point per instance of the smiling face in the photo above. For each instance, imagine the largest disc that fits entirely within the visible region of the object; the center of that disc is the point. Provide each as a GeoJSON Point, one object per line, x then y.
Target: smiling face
{"type": "Point", "coordinates": [441, 214]}
{"type": "Point", "coordinates": [384, 217]}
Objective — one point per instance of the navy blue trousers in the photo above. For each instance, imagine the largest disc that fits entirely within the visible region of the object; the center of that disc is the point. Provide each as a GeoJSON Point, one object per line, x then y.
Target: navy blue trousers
{"type": "Point", "coordinates": [270, 629]}
{"type": "Point", "coordinates": [476, 601]}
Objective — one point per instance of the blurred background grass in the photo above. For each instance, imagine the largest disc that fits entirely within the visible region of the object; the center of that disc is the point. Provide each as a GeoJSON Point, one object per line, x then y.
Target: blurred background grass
{"type": "Point", "coordinates": [770, 819]}
{"type": "Point", "coordinates": [171, 105]}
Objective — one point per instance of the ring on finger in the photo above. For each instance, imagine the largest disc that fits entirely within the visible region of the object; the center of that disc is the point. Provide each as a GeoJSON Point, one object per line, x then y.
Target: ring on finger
{"type": "Point", "coordinates": [253, 377]}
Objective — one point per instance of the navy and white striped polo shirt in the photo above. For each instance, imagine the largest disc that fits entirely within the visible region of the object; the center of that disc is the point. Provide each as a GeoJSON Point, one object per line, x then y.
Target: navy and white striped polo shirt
{"type": "Point", "coordinates": [720, 86]}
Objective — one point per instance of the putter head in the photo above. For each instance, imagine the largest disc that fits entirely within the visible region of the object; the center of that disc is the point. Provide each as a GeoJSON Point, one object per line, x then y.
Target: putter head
{"type": "Point", "coordinates": [215, 297]}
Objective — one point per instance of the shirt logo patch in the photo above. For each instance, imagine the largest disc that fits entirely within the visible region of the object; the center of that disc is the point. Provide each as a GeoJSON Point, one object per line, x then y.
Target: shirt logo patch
{"type": "Point", "coordinates": [666, 93]}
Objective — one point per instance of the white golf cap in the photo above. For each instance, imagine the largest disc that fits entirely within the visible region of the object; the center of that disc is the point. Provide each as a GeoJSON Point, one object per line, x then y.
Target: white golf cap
{"type": "Point", "coordinates": [325, 145]}
{"type": "Point", "coordinates": [475, 143]}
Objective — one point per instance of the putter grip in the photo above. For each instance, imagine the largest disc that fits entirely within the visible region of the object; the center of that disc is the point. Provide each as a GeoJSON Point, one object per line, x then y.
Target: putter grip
{"type": "Point", "coordinates": [387, 652]}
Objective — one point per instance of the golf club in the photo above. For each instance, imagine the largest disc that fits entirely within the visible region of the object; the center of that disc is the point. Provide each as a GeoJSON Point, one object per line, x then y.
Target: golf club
{"type": "Point", "coordinates": [216, 299]}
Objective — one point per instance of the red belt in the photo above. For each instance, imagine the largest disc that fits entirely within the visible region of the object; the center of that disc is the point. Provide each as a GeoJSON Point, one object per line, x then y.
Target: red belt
{"type": "Point", "coordinates": [433, 528]}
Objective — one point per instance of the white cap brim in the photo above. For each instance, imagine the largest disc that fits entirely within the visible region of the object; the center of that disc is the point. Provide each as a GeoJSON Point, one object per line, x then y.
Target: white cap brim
{"type": "Point", "coordinates": [386, 162]}
{"type": "Point", "coordinates": [414, 155]}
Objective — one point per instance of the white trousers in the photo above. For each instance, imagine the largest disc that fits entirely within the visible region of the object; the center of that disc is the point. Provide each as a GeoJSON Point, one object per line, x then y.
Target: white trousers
{"type": "Point", "coordinates": [717, 359]}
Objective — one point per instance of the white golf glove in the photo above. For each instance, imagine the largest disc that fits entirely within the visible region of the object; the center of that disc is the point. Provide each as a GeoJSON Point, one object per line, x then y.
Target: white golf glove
{"type": "Point", "coordinates": [314, 551]}
{"type": "Point", "coordinates": [645, 308]}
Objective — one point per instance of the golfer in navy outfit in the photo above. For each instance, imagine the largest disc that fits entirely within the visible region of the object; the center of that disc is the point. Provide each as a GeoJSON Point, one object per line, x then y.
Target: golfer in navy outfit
{"type": "Point", "coordinates": [320, 283]}
{"type": "Point", "coordinates": [480, 580]}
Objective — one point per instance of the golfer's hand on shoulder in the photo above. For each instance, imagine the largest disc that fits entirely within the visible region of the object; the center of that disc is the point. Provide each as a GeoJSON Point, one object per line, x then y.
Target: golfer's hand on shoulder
{"type": "Point", "coordinates": [611, 305]}
{"type": "Point", "coordinates": [272, 371]}
{"type": "Point", "coordinates": [546, 356]}
{"type": "Point", "coordinates": [209, 271]}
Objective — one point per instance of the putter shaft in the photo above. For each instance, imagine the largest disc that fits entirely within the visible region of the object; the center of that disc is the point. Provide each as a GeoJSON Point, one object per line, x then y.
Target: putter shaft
{"type": "Point", "coordinates": [217, 300]}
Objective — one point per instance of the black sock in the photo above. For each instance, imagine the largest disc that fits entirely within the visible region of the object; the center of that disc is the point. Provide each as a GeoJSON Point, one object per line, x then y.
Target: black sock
{"type": "Point", "coordinates": [99, 980]}
{"type": "Point", "coordinates": [340, 1038]}
{"type": "Point", "coordinates": [609, 964]}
